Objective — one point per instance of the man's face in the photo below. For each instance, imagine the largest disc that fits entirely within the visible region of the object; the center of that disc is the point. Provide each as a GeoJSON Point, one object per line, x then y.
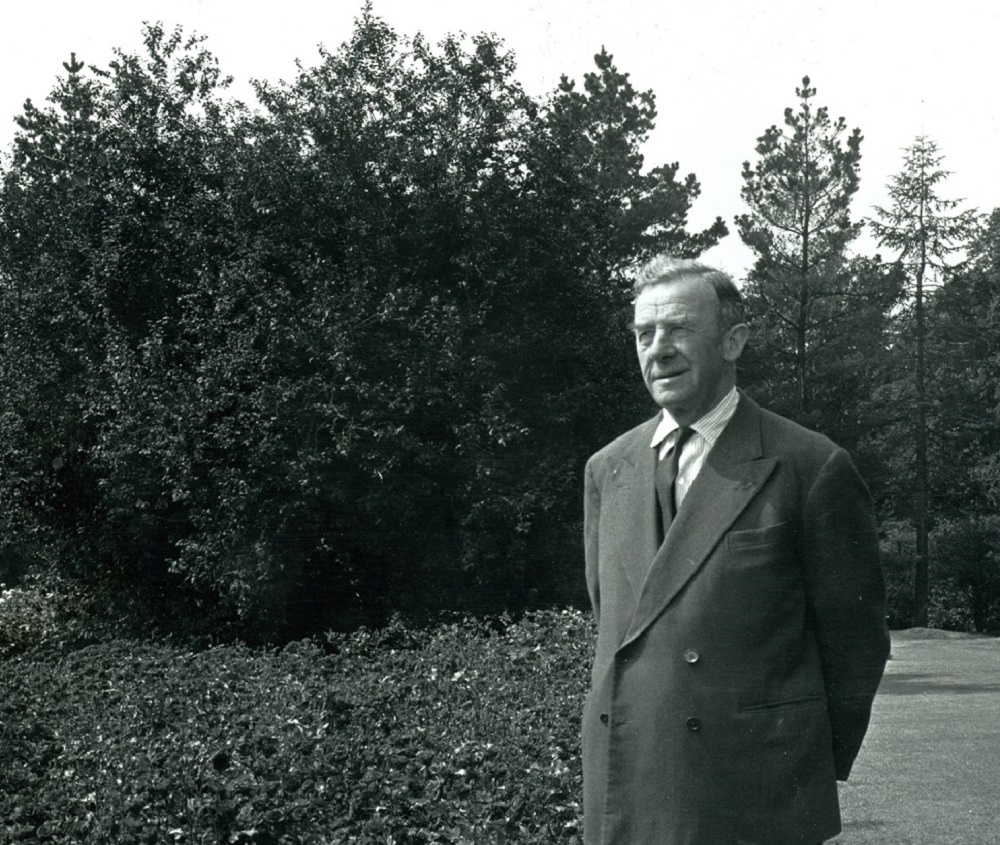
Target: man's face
{"type": "Point", "coordinates": [686, 360]}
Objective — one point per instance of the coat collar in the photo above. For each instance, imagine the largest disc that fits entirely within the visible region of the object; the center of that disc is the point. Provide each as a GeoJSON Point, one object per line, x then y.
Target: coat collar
{"type": "Point", "coordinates": [733, 473]}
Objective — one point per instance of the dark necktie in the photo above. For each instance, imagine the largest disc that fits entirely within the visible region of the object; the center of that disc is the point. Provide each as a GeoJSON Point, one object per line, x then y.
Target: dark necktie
{"type": "Point", "coordinates": [666, 475]}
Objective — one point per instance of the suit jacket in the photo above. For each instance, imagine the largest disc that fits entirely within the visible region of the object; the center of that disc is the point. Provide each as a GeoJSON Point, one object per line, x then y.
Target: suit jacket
{"type": "Point", "coordinates": [737, 662]}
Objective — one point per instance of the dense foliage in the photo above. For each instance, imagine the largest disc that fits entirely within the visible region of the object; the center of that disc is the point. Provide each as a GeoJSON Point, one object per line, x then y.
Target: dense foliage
{"type": "Point", "coordinates": [346, 354]}
{"type": "Point", "coordinates": [465, 733]}
{"type": "Point", "coordinates": [269, 371]}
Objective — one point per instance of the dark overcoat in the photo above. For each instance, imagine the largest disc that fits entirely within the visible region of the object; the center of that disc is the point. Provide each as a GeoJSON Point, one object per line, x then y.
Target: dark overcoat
{"type": "Point", "coordinates": [736, 664]}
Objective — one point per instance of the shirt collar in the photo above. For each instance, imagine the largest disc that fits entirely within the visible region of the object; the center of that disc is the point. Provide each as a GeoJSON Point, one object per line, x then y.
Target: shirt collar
{"type": "Point", "coordinates": [710, 426]}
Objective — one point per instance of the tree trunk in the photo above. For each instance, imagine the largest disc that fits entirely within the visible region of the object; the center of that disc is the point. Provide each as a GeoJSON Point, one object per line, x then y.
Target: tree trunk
{"type": "Point", "coordinates": [803, 326]}
{"type": "Point", "coordinates": [921, 568]}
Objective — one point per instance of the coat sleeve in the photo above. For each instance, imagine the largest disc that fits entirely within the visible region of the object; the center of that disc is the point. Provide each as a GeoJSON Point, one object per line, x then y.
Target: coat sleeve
{"type": "Point", "coordinates": [846, 592]}
{"type": "Point", "coordinates": [591, 520]}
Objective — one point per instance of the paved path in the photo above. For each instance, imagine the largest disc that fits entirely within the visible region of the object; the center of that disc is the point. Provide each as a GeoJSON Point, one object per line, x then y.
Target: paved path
{"type": "Point", "coordinates": [929, 772]}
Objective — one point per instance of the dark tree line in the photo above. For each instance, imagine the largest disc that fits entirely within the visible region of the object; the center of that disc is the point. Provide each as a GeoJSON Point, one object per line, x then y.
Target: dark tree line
{"type": "Point", "coordinates": [268, 371]}
{"type": "Point", "coordinates": [341, 356]}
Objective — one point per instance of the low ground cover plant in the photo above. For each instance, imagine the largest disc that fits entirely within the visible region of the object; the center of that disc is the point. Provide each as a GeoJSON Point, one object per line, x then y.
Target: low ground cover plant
{"type": "Point", "coordinates": [464, 733]}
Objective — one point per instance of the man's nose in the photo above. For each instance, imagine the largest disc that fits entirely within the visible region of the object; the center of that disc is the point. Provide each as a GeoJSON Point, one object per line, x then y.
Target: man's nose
{"type": "Point", "coordinates": [663, 344]}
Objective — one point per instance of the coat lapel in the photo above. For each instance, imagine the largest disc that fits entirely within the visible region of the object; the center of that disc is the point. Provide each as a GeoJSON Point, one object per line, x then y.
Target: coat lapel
{"type": "Point", "coordinates": [733, 473]}
{"type": "Point", "coordinates": [633, 508]}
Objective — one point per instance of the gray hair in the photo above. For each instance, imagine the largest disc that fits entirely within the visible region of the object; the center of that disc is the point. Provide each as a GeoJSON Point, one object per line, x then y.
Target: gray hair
{"type": "Point", "coordinates": [664, 269]}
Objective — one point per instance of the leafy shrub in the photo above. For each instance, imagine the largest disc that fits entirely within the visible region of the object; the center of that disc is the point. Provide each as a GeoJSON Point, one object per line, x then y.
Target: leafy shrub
{"type": "Point", "coordinates": [27, 618]}
{"type": "Point", "coordinates": [897, 548]}
{"type": "Point", "coordinates": [965, 561]}
{"type": "Point", "coordinates": [466, 733]}
{"type": "Point", "coordinates": [964, 574]}
{"type": "Point", "coordinates": [949, 607]}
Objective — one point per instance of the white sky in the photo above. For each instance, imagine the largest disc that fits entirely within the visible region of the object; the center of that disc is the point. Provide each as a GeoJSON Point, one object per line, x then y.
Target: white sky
{"type": "Point", "coordinates": [722, 70]}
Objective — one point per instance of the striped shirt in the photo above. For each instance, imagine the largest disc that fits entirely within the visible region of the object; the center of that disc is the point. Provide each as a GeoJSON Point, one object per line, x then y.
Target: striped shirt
{"type": "Point", "coordinates": [699, 444]}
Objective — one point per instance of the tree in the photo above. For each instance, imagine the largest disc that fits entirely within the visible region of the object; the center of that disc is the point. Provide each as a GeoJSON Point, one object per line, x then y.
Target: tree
{"type": "Point", "coordinates": [804, 293]}
{"type": "Point", "coordinates": [970, 313]}
{"type": "Point", "coordinates": [963, 427]}
{"type": "Point", "coordinates": [925, 230]}
{"type": "Point", "coordinates": [114, 219]}
{"type": "Point", "coordinates": [490, 253]}
{"type": "Point", "coordinates": [304, 367]}
{"type": "Point", "coordinates": [590, 151]}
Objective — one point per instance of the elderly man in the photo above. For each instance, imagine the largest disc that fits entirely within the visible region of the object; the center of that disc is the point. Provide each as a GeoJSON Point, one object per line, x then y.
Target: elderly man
{"type": "Point", "coordinates": [732, 563]}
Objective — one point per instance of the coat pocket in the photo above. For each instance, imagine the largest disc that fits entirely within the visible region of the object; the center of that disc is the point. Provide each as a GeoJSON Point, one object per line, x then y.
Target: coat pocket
{"type": "Point", "coordinates": [784, 704]}
{"type": "Point", "coordinates": [770, 535]}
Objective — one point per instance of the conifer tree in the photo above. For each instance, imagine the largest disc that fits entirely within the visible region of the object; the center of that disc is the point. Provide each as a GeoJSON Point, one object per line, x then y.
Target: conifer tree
{"type": "Point", "coordinates": [802, 289]}
{"type": "Point", "coordinates": [926, 231]}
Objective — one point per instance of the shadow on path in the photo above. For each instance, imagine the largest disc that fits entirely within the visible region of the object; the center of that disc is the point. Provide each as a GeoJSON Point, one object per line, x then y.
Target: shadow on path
{"type": "Point", "coordinates": [913, 683]}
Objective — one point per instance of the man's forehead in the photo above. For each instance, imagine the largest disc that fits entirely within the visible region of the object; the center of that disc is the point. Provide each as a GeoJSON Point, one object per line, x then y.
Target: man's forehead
{"type": "Point", "coordinates": [687, 289]}
{"type": "Point", "coordinates": [658, 311]}
{"type": "Point", "coordinates": [673, 301]}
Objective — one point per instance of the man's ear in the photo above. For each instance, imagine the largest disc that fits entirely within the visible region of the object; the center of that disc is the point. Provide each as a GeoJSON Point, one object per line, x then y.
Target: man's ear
{"type": "Point", "coordinates": [734, 341]}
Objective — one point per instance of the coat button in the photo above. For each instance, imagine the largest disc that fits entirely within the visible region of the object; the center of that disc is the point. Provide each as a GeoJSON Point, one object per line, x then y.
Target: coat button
{"type": "Point", "coordinates": [691, 656]}
{"type": "Point", "coordinates": [694, 725]}
{"type": "Point", "coordinates": [604, 718]}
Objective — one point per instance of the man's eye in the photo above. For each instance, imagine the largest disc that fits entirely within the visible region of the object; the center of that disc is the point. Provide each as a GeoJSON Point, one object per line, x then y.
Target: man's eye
{"type": "Point", "coordinates": [646, 336]}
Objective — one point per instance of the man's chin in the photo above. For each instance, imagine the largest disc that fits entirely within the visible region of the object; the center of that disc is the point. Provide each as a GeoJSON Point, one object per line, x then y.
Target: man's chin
{"type": "Point", "coordinates": [667, 398]}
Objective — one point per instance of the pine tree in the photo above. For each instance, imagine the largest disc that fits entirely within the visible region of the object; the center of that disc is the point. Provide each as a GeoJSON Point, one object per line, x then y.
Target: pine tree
{"type": "Point", "coordinates": [799, 225]}
{"type": "Point", "coordinates": [925, 230]}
